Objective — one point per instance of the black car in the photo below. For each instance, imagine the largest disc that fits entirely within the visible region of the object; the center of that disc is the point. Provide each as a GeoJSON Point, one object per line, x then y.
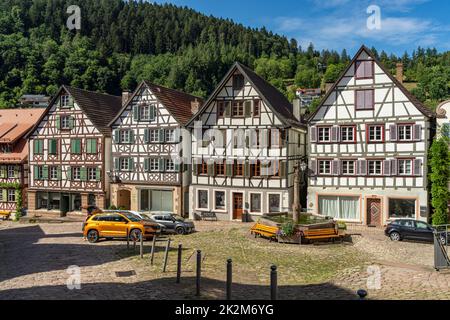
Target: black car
{"type": "Point", "coordinates": [399, 230]}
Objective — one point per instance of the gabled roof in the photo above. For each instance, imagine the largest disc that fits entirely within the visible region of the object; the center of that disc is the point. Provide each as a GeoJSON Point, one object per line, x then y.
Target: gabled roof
{"type": "Point", "coordinates": [274, 99]}
{"type": "Point", "coordinates": [100, 108]}
{"type": "Point", "coordinates": [178, 103]}
{"type": "Point", "coordinates": [423, 109]}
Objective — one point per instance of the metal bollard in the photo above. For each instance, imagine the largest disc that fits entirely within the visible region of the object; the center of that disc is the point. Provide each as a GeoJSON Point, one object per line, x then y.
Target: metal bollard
{"type": "Point", "coordinates": [180, 251]}
{"type": "Point", "coordinates": [273, 282]}
{"type": "Point", "coordinates": [362, 294]}
{"type": "Point", "coordinates": [141, 245]}
{"type": "Point", "coordinates": [128, 240]}
{"type": "Point", "coordinates": [166, 255]}
{"type": "Point", "coordinates": [199, 272]}
{"type": "Point", "coordinates": [229, 277]}
{"type": "Point", "coordinates": [152, 255]}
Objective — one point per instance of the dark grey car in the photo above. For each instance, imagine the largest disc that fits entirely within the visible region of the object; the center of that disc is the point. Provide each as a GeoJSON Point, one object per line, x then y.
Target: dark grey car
{"type": "Point", "coordinates": [174, 223]}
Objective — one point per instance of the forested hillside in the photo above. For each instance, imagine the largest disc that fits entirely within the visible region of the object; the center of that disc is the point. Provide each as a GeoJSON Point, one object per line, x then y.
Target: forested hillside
{"type": "Point", "coordinates": [120, 43]}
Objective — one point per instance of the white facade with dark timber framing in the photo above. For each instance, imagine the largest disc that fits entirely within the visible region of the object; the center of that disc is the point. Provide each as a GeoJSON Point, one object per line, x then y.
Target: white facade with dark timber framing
{"type": "Point", "coordinates": [368, 148]}
{"type": "Point", "coordinates": [245, 142]}
{"type": "Point", "coordinates": [69, 153]}
{"type": "Point", "coordinates": [150, 151]}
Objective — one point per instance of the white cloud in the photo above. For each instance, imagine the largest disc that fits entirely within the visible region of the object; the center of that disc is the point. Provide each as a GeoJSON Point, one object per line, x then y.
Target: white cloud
{"type": "Point", "coordinates": [287, 24]}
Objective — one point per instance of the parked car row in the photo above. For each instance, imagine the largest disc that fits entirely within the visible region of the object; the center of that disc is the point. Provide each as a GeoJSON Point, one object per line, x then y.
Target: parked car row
{"type": "Point", "coordinates": [111, 224]}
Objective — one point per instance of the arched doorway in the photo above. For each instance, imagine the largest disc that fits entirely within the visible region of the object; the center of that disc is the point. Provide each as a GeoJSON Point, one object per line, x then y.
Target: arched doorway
{"type": "Point", "coordinates": [124, 199]}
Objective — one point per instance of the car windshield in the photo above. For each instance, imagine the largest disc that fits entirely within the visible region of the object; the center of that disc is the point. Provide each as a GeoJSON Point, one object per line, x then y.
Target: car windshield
{"type": "Point", "coordinates": [178, 218]}
{"type": "Point", "coordinates": [132, 217]}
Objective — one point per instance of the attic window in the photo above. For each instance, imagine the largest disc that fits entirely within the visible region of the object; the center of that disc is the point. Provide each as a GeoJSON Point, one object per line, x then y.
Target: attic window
{"type": "Point", "coordinates": [364, 70]}
{"type": "Point", "coordinates": [238, 81]}
{"type": "Point", "coordinates": [65, 101]}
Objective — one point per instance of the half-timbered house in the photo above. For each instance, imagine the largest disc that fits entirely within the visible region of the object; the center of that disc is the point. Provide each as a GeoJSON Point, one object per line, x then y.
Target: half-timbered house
{"type": "Point", "coordinates": [368, 147]}
{"type": "Point", "coordinates": [245, 144]}
{"type": "Point", "coordinates": [69, 152]}
{"type": "Point", "coordinates": [150, 150]}
{"type": "Point", "coordinates": [14, 125]}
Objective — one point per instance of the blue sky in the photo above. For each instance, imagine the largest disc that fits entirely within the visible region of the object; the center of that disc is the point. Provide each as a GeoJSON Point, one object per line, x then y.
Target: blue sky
{"type": "Point", "coordinates": [338, 24]}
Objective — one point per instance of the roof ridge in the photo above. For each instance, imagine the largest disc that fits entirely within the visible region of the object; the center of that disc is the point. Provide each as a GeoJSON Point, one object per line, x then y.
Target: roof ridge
{"type": "Point", "coordinates": [90, 91]}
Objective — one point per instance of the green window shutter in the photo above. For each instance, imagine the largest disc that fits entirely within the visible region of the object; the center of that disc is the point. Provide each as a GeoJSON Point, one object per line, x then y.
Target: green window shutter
{"type": "Point", "coordinates": [76, 146]}
{"type": "Point", "coordinates": [117, 164]}
{"type": "Point", "coordinates": [211, 169]}
{"type": "Point", "coordinates": [4, 172]}
{"type": "Point", "coordinates": [58, 122]}
{"type": "Point", "coordinates": [98, 174]}
{"type": "Point", "coordinates": [83, 173]}
{"type": "Point", "coordinates": [38, 147]}
{"type": "Point", "coordinates": [162, 136]}
{"type": "Point", "coordinates": [5, 195]}
{"type": "Point", "coordinates": [194, 168]}
{"type": "Point", "coordinates": [152, 112]}
{"type": "Point", "coordinates": [131, 137]}
{"type": "Point", "coordinates": [248, 108]}
{"type": "Point", "coordinates": [131, 163]}
{"type": "Point", "coordinates": [228, 109]}
{"type": "Point", "coordinates": [71, 123]}
{"type": "Point", "coordinates": [45, 172]}
{"type": "Point", "coordinates": [247, 169]}
{"type": "Point", "coordinates": [282, 168]}
{"type": "Point", "coordinates": [58, 173]}
{"type": "Point", "coordinates": [17, 172]}
{"type": "Point", "coordinates": [116, 136]}
{"type": "Point", "coordinates": [69, 173]}
{"type": "Point", "coordinates": [71, 103]}
{"type": "Point", "coordinates": [177, 166]}
{"type": "Point", "coordinates": [136, 113]}
{"type": "Point", "coordinates": [89, 146]}
{"type": "Point", "coordinates": [146, 164]}
{"type": "Point", "coordinates": [36, 172]}
{"type": "Point", "coordinates": [146, 136]}
{"type": "Point", "coordinates": [229, 170]}
{"type": "Point", "coordinates": [52, 146]}
{"type": "Point", "coordinates": [162, 165]}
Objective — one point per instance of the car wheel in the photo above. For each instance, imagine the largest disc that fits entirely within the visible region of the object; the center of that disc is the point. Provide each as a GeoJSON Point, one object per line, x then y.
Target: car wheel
{"type": "Point", "coordinates": [92, 236]}
{"type": "Point", "coordinates": [179, 231]}
{"type": "Point", "coordinates": [135, 235]}
{"type": "Point", "coordinates": [395, 236]}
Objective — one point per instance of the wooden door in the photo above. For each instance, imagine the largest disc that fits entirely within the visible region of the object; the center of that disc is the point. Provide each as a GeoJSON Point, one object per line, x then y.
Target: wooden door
{"type": "Point", "coordinates": [238, 205]}
{"type": "Point", "coordinates": [374, 212]}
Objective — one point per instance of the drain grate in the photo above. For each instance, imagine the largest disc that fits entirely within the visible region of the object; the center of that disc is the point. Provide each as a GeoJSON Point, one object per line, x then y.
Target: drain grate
{"type": "Point", "coordinates": [125, 274]}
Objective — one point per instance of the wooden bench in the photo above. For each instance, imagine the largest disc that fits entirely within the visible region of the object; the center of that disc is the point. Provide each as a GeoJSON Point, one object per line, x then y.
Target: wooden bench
{"type": "Point", "coordinates": [5, 215]}
{"type": "Point", "coordinates": [317, 234]}
{"type": "Point", "coordinates": [208, 216]}
{"type": "Point", "coordinates": [264, 231]}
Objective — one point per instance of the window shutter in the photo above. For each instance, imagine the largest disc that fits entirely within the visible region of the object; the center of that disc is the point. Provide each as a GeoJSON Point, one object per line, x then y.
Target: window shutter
{"type": "Point", "coordinates": [58, 173]}
{"type": "Point", "coordinates": [5, 195]}
{"type": "Point", "coordinates": [71, 123]}
{"type": "Point", "coordinates": [229, 169]}
{"type": "Point", "coordinates": [394, 167]}
{"type": "Point", "coordinates": [117, 164]}
{"type": "Point", "coordinates": [265, 168]}
{"type": "Point", "coordinates": [116, 136]}
{"type": "Point", "coordinates": [136, 113]}
{"type": "Point", "coordinates": [387, 167]}
{"type": "Point", "coordinates": [368, 69]}
{"type": "Point", "coordinates": [362, 167]}
{"type": "Point", "coordinates": [283, 165]}
{"type": "Point", "coordinates": [131, 137]}
{"type": "Point", "coordinates": [417, 132]}
{"type": "Point", "coordinates": [177, 134]}
{"type": "Point", "coordinates": [194, 166]}
{"type": "Point", "coordinates": [152, 112]}
{"type": "Point", "coordinates": [131, 164]}
{"type": "Point", "coordinates": [83, 174]}
{"type": "Point", "coordinates": [146, 165]}
{"type": "Point", "coordinates": [94, 146]}
{"type": "Point", "coordinates": [4, 172]}
{"type": "Point", "coordinates": [335, 134]}
{"type": "Point", "coordinates": [69, 173]}
{"type": "Point", "coordinates": [162, 136]}
{"type": "Point", "coordinates": [360, 69]}
{"type": "Point", "coordinates": [17, 172]}
{"type": "Point", "coordinates": [162, 165]}
{"type": "Point", "coordinates": [313, 134]}
{"type": "Point", "coordinates": [71, 103]}
{"type": "Point", "coordinates": [368, 101]}
{"type": "Point", "coordinates": [418, 167]}
{"type": "Point", "coordinates": [211, 169]}
{"type": "Point", "coordinates": [58, 122]}
{"type": "Point", "coordinates": [177, 166]}
{"type": "Point", "coordinates": [228, 109]}
{"type": "Point", "coordinates": [248, 108]}
{"type": "Point", "coordinates": [36, 172]}
{"type": "Point", "coordinates": [247, 168]}
{"type": "Point", "coordinates": [393, 132]}
{"type": "Point", "coordinates": [313, 166]}
{"type": "Point", "coordinates": [146, 136]}
{"type": "Point", "coordinates": [98, 174]}
{"type": "Point", "coordinates": [45, 172]}
{"type": "Point", "coordinates": [360, 95]}
{"type": "Point", "coordinates": [335, 166]}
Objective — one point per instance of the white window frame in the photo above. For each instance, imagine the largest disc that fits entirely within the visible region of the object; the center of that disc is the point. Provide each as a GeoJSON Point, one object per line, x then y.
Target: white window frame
{"type": "Point", "coordinates": [197, 202]}
{"type": "Point", "coordinates": [281, 201]}
{"type": "Point", "coordinates": [154, 136]}
{"type": "Point", "coordinates": [124, 164]}
{"type": "Point", "coordinates": [169, 135]}
{"type": "Point", "coordinates": [153, 164]}
{"type": "Point", "coordinates": [76, 173]}
{"type": "Point", "coordinates": [345, 133]}
{"type": "Point", "coordinates": [375, 133]}
{"type": "Point", "coordinates": [65, 99]}
{"type": "Point", "coordinates": [402, 165]}
{"type": "Point", "coordinates": [53, 173]}
{"type": "Point", "coordinates": [375, 167]}
{"type": "Point", "coordinates": [402, 131]}
{"type": "Point", "coordinates": [225, 200]}
{"type": "Point", "coordinates": [345, 165]}
{"type": "Point", "coordinates": [170, 165]}
{"type": "Point", "coordinates": [261, 203]}
{"type": "Point", "coordinates": [338, 197]}
{"type": "Point", "coordinates": [125, 136]}
{"type": "Point", "coordinates": [321, 165]}
{"type": "Point", "coordinates": [11, 171]}
{"type": "Point", "coordinates": [11, 195]}
{"type": "Point", "coordinates": [144, 112]}
{"type": "Point", "coordinates": [65, 122]}
{"type": "Point", "coordinates": [91, 171]}
{"type": "Point", "coordinates": [322, 132]}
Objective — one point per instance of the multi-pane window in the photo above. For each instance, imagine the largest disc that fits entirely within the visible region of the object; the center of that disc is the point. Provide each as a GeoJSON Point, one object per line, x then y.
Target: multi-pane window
{"type": "Point", "coordinates": [76, 173]}
{"type": "Point", "coordinates": [144, 112]}
{"type": "Point", "coordinates": [238, 108]}
{"type": "Point", "coordinates": [170, 165]}
{"type": "Point", "coordinates": [220, 168]}
{"type": "Point", "coordinates": [238, 169]}
{"type": "Point", "coordinates": [203, 168]}
{"type": "Point", "coordinates": [11, 195]}
{"type": "Point", "coordinates": [65, 122]}
{"type": "Point", "coordinates": [154, 136]}
{"type": "Point", "coordinates": [170, 135]}
{"type": "Point", "coordinates": [256, 108]}
{"type": "Point", "coordinates": [92, 173]}
{"type": "Point", "coordinates": [364, 99]}
{"type": "Point", "coordinates": [11, 171]}
{"type": "Point", "coordinates": [405, 132]}
{"type": "Point", "coordinates": [53, 172]}
{"type": "Point", "coordinates": [364, 70]}
{"type": "Point", "coordinates": [255, 169]}
{"type": "Point", "coordinates": [221, 105]}
{"type": "Point", "coordinates": [324, 134]}
{"type": "Point", "coordinates": [324, 166]}
{"type": "Point", "coordinates": [154, 164]}
{"type": "Point", "coordinates": [124, 164]}
{"type": "Point", "coordinates": [375, 133]}
{"type": "Point", "coordinates": [125, 136]}
{"type": "Point", "coordinates": [65, 101]}
{"type": "Point", "coordinates": [405, 167]}
{"type": "Point", "coordinates": [348, 167]}
{"type": "Point", "coordinates": [375, 167]}
{"type": "Point", "coordinates": [348, 134]}
{"type": "Point", "coordinates": [39, 172]}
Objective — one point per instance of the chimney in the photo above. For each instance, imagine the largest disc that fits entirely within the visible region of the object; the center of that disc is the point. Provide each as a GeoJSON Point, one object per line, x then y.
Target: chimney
{"type": "Point", "coordinates": [298, 109]}
{"type": "Point", "coordinates": [195, 105]}
{"type": "Point", "coordinates": [399, 74]}
{"type": "Point", "coordinates": [125, 96]}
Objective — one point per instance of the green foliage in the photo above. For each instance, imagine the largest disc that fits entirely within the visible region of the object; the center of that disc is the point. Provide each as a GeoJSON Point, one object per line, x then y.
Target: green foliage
{"type": "Point", "coordinates": [439, 178]}
{"type": "Point", "coordinates": [288, 228]}
{"type": "Point", "coordinates": [333, 72]}
{"type": "Point", "coordinates": [19, 200]}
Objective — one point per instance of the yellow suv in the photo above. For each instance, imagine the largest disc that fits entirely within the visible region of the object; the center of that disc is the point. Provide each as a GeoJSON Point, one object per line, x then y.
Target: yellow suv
{"type": "Point", "coordinates": [118, 225]}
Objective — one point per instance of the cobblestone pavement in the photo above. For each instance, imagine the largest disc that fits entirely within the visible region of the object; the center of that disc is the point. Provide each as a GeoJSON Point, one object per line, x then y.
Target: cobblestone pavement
{"type": "Point", "coordinates": [34, 261]}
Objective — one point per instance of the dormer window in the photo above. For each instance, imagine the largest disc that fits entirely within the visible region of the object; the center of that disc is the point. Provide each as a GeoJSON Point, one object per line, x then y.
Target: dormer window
{"type": "Point", "coordinates": [238, 82]}
{"type": "Point", "coordinates": [65, 101]}
{"type": "Point", "coordinates": [6, 148]}
{"type": "Point", "coordinates": [364, 69]}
